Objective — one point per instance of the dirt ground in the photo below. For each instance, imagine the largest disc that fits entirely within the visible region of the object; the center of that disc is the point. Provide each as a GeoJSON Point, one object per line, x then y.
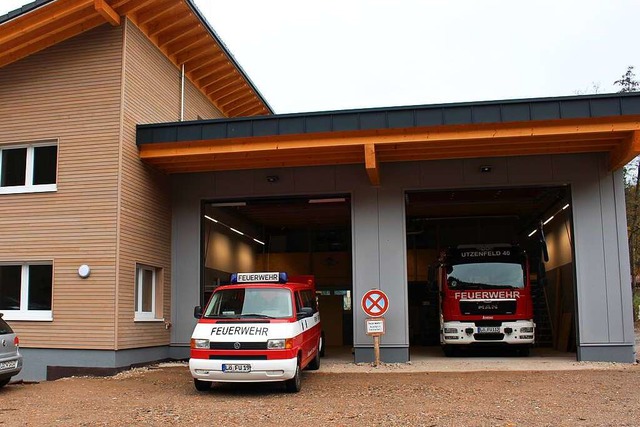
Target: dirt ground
{"type": "Point", "coordinates": [164, 395]}
{"type": "Point", "coordinates": [543, 390]}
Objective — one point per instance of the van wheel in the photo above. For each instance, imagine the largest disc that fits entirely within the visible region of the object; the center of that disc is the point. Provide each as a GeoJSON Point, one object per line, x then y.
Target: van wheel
{"type": "Point", "coordinates": [314, 365]}
{"type": "Point", "coordinates": [202, 385]}
{"type": "Point", "coordinates": [294, 384]}
{"type": "Point", "coordinates": [4, 382]}
{"type": "Point", "coordinates": [322, 344]}
{"type": "Point", "coordinates": [524, 351]}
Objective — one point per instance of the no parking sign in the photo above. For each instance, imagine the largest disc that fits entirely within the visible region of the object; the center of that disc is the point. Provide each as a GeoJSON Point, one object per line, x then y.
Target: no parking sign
{"type": "Point", "coordinates": [375, 303]}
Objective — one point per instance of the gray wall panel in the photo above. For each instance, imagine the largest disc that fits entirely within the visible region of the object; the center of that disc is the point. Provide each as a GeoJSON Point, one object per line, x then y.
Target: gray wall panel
{"type": "Point", "coordinates": [497, 176]}
{"type": "Point", "coordinates": [526, 170]}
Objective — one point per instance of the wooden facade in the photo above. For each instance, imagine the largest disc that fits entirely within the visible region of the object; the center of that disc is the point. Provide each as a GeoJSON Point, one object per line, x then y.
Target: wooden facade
{"type": "Point", "coordinates": [110, 210]}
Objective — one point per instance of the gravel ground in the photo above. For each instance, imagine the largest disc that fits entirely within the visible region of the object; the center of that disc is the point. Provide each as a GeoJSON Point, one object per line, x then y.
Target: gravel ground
{"type": "Point", "coordinates": [465, 391]}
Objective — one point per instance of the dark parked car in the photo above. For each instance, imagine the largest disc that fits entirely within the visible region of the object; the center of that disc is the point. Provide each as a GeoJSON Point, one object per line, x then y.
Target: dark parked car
{"type": "Point", "coordinates": [10, 357]}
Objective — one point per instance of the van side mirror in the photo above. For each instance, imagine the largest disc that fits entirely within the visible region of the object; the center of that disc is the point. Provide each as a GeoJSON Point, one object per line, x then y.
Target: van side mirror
{"type": "Point", "coordinates": [197, 312]}
{"type": "Point", "coordinates": [305, 312]}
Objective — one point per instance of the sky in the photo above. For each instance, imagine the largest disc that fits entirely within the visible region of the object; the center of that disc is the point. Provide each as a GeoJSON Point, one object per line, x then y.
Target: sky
{"type": "Point", "coordinates": [343, 54]}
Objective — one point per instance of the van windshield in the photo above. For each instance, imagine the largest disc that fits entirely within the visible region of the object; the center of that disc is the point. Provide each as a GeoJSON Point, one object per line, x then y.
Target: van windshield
{"type": "Point", "coordinates": [486, 275]}
{"type": "Point", "coordinates": [267, 303]}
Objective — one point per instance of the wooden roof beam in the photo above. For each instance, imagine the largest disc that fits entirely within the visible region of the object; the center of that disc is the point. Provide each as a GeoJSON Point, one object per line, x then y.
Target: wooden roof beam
{"type": "Point", "coordinates": [156, 28]}
{"type": "Point", "coordinates": [625, 151]}
{"type": "Point", "coordinates": [47, 14]}
{"type": "Point", "coordinates": [214, 64]}
{"type": "Point", "coordinates": [26, 50]}
{"type": "Point", "coordinates": [234, 100]}
{"type": "Point", "coordinates": [371, 164]}
{"type": "Point", "coordinates": [225, 89]}
{"type": "Point", "coordinates": [130, 7]}
{"type": "Point", "coordinates": [37, 34]}
{"type": "Point", "coordinates": [236, 108]}
{"type": "Point", "coordinates": [158, 10]}
{"type": "Point", "coordinates": [251, 111]}
{"type": "Point", "coordinates": [179, 46]}
{"type": "Point", "coordinates": [110, 15]}
{"type": "Point", "coordinates": [204, 63]}
{"type": "Point", "coordinates": [195, 52]}
{"type": "Point", "coordinates": [163, 37]}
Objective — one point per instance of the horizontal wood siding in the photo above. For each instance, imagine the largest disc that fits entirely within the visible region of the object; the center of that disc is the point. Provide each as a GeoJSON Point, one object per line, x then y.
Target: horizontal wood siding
{"type": "Point", "coordinates": [151, 95]}
{"type": "Point", "coordinates": [69, 93]}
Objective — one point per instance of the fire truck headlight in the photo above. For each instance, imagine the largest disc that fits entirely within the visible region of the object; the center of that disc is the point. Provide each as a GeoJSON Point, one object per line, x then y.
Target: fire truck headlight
{"type": "Point", "coordinates": [528, 329]}
{"type": "Point", "coordinates": [450, 331]}
{"type": "Point", "coordinates": [280, 344]}
{"type": "Point", "coordinates": [199, 343]}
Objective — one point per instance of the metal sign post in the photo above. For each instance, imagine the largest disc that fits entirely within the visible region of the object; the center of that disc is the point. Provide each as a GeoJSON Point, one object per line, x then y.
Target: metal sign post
{"type": "Point", "coordinates": [375, 304]}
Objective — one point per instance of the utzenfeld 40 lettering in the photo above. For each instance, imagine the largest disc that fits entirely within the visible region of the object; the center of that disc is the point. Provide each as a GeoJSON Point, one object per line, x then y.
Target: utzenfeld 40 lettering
{"type": "Point", "coordinates": [476, 254]}
{"type": "Point", "coordinates": [239, 330]}
{"type": "Point", "coordinates": [487, 295]}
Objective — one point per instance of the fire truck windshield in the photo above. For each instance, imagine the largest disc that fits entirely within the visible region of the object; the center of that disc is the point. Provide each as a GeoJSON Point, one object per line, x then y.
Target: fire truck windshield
{"type": "Point", "coordinates": [485, 275]}
{"type": "Point", "coordinates": [266, 303]}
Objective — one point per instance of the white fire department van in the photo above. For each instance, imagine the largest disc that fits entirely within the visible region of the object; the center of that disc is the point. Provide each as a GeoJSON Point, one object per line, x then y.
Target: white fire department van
{"type": "Point", "coordinates": [262, 327]}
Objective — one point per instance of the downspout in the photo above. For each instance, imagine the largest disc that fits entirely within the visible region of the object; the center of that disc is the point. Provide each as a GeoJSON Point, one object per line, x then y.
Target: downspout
{"type": "Point", "coordinates": [182, 95]}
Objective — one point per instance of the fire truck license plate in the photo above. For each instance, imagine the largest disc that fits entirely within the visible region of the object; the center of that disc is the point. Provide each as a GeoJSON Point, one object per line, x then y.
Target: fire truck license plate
{"type": "Point", "coordinates": [488, 329]}
{"type": "Point", "coordinates": [232, 367]}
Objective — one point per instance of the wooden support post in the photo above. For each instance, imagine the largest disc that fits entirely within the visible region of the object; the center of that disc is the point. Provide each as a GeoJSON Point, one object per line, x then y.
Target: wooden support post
{"type": "Point", "coordinates": [625, 152]}
{"type": "Point", "coordinates": [376, 350]}
{"type": "Point", "coordinates": [371, 164]}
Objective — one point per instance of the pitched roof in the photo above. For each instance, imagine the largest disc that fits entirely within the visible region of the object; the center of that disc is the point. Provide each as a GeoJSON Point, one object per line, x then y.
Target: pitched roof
{"type": "Point", "coordinates": [176, 27]}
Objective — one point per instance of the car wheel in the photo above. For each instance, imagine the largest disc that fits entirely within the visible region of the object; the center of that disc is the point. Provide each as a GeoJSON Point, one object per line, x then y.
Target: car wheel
{"type": "Point", "coordinates": [314, 365]}
{"type": "Point", "coordinates": [294, 384]}
{"type": "Point", "coordinates": [4, 382]}
{"type": "Point", "coordinates": [202, 385]}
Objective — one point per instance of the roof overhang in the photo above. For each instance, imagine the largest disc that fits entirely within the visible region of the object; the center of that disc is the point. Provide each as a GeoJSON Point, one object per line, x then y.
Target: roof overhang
{"type": "Point", "coordinates": [176, 27]}
{"type": "Point", "coordinates": [583, 124]}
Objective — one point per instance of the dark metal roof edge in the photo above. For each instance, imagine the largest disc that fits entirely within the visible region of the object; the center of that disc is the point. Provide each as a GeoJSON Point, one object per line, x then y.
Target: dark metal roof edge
{"type": "Point", "coordinates": [227, 52]}
{"type": "Point", "coordinates": [22, 10]}
{"type": "Point", "coordinates": [616, 95]}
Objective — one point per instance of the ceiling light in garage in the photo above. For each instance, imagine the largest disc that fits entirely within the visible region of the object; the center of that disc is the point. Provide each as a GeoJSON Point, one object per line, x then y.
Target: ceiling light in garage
{"type": "Point", "coordinates": [233, 229]}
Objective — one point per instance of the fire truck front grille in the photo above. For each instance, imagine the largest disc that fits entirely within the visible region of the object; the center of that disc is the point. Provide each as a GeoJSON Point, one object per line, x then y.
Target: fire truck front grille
{"type": "Point", "coordinates": [491, 307]}
{"type": "Point", "coordinates": [488, 337]}
{"type": "Point", "coordinates": [238, 345]}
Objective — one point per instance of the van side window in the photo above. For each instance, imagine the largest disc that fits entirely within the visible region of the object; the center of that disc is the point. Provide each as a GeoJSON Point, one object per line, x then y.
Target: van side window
{"type": "Point", "coordinates": [309, 300]}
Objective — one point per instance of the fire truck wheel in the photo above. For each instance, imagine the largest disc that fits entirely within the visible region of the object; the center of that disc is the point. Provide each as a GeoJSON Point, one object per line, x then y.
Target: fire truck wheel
{"type": "Point", "coordinates": [202, 385]}
{"type": "Point", "coordinates": [294, 384]}
{"type": "Point", "coordinates": [449, 350]}
{"type": "Point", "coordinates": [314, 365]}
{"type": "Point", "coordinates": [524, 351]}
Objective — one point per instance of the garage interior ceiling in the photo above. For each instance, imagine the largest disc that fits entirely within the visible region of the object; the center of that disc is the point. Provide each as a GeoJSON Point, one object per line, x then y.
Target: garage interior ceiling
{"type": "Point", "coordinates": [529, 204]}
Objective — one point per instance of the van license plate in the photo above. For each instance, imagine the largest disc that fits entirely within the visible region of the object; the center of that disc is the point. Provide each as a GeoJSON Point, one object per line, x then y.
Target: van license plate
{"type": "Point", "coordinates": [488, 329]}
{"type": "Point", "coordinates": [8, 365]}
{"type": "Point", "coordinates": [232, 367]}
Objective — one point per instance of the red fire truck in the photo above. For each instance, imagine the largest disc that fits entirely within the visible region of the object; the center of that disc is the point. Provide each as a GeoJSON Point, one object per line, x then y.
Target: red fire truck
{"type": "Point", "coordinates": [485, 298]}
{"type": "Point", "coordinates": [262, 327]}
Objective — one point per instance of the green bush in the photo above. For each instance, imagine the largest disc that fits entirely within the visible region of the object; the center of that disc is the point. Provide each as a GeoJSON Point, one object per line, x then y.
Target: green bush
{"type": "Point", "coordinates": [636, 304]}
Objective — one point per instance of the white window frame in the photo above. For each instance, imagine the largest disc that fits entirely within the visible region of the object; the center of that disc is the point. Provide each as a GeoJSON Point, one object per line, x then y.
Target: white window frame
{"type": "Point", "coordinates": [29, 187]}
{"type": "Point", "coordinates": [24, 313]}
{"type": "Point", "coordinates": [145, 316]}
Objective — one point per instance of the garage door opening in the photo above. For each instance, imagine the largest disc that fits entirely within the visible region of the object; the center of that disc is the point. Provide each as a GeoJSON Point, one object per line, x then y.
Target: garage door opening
{"type": "Point", "coordinates": [301, 235]}
{"type": "Point", "coordinates": [536, 219]}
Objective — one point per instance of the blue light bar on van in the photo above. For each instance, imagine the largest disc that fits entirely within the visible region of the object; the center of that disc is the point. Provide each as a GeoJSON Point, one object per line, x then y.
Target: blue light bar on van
{"type": "Point", "coordinates": [263, 277]}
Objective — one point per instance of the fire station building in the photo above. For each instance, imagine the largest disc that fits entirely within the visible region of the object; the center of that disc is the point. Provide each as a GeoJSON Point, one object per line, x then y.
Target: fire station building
{"type": "Point", "coordinates": [140, 167]}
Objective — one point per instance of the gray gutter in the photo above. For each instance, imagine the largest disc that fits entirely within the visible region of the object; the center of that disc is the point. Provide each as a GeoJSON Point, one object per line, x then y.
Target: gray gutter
{"type": "Point", "coordinates": [466, 113]}
{"type": "Point", "coordinates": [24, 9]}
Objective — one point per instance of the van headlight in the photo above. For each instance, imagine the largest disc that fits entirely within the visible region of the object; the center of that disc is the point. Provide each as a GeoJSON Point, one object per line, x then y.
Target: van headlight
{"type": "Point", "coordinates": [280, 344]}
{"type": "Point", "coordinates": [199, 343]}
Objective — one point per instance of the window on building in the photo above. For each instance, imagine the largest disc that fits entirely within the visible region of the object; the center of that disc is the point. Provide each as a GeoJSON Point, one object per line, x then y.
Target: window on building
{"type": "Point", "coordinates": [148, 293]}
{"type": "Point", "coordinates": [28, 168]}
{"type": "Point", "coordinates": [26, 291]}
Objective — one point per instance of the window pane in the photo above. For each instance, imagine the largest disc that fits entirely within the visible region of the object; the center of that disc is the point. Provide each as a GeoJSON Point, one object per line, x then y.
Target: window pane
{"type": "Point", "coordinates": [40, 284]}
{"type": "Point", "coordinates": [44, 164]}
{"type": "Point", "coordinates": [147, 291]}
{"type": "Point", "coordinates": [14, 165]}
{"type": "Point", "coordinates": [10, 277]}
